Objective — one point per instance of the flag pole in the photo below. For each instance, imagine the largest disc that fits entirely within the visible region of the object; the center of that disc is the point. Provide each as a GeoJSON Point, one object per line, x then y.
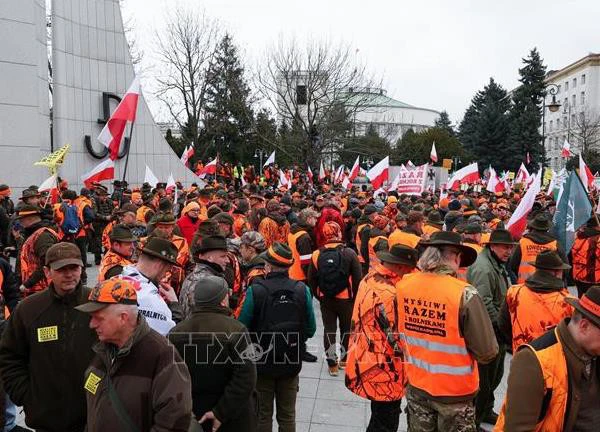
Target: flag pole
{"type": "Point", "coordinates": [128, 150]}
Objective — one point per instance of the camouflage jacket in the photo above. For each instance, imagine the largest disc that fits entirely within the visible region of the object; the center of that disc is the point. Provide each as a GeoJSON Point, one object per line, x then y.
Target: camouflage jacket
{"type": "Point", "coordinates": [201, 270]}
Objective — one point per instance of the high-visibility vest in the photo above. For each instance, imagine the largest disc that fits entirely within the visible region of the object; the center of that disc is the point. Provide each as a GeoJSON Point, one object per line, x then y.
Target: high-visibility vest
{"type": "Point", "coordinates": [438, 361]}
{"type": "Point", "coordinates": [140, 214]}
{"type": "Point", "coordinates": [109, 260]}
{"type": "Point", "coordinates": [553, 365]}
{"type": "Point", "coordinates": [30, 262]}
{"type": "Point", "coordinates": [295, 272]}
{"type": "Point", "coordinates": [404, 238]}
{"type": "Point", "coordinates": [529, 251]}
{"type": "Point", "coordinates": [59, 217]}
{"type": "Point", "coordinates": [532, 314]}
{"type": "Point", "coordinates": [586, 259]}
{"type": "Point", "coordinates": [375, 360]}
{"type": "Point", "coordinates": [358, 241]}
{"type": "Point", "coordinates": [372, 256]}
{"type": "Point", "coordinates": [430, 229]}
{"type": "Point", "coordinates": [344, 294]}
{"type": "Point", "coordinates": [462, 271]}
{"type": "Point", "coordinates": [82, 202]}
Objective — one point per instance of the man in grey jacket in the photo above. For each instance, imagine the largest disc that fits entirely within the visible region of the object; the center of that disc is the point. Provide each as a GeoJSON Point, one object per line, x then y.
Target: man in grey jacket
{"type": "Point", "coordinates": [489, 276]}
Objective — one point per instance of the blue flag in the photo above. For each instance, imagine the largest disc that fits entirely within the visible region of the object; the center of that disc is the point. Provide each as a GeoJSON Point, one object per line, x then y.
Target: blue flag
{"type": "Point", "coordinates": [573, 210]}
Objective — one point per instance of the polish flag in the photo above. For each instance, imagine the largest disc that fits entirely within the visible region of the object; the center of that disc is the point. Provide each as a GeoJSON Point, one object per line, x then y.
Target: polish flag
{"type": "Point", "coordinates": [190, 152]}
{"type": "Point", "coordinates": [184, 156]}
{"type": "Point", "coordinates": [321, 172]}
{"type": "Point", "coordinates": [105, 170]}
{"type": "Point", "coordinates": [433, 154]}
{"type": "Point", "coordinates": [150, 178]}
{"type": "Point", "coordinates": [518, 221]}
{"type": "Point", "coordinates": [283, 180]}
{"type": "Point", "coordinates": [270, 160]}
{"type": "Point", "coordinates": [309, 174]}
{"type": "Point", "coordinates": [522, 175]}
{"type": "Point", "coordinates": [170, 184]}
{"type": "Point", "coordinates": [379, 173]}
{"type": "Point", "coordinates": [49, 184]}
{"type": "Point", "coordinates": [395, 183]}
{"type": "Point", "coordinates": [566, 149]}
{"type": "Point", "coordinates": [585, 174]}
{"type": "Point", "coordinates": [493, 181]}
{"type": "Point", "coordinates": [338, 174]}
{"type": "Point", "coordinates": [112, 133]}
{"type": "Point", "coordinates": [209, 168]}
{"type": "Point", "coordinates": [346, 183]}
{"type": "Point", "coordinates": [467, 174]}
{"type": "Point", "coordinates": [355, 169]}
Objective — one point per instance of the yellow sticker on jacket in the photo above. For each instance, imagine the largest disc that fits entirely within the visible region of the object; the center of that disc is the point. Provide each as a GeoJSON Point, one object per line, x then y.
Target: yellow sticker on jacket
{"type": "Point", "coordinates": [92, 382]}
{"type": "Point", "coordinates": [47, 334]}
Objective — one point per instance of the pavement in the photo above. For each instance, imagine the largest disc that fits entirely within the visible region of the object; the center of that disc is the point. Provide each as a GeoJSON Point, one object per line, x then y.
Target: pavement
{"type": "Point", "coordinates": [324, 403]}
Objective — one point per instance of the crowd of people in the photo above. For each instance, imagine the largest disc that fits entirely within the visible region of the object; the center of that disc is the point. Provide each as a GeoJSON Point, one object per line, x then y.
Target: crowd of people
{"type": "Point", "coordinates": [204, 303]}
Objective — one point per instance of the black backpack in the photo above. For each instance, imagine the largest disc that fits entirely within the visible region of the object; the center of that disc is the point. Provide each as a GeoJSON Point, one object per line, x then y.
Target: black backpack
{"type": "Point", "coordinates": [280, 325]}
{"type": "Point", "coordinates": [332, 272]}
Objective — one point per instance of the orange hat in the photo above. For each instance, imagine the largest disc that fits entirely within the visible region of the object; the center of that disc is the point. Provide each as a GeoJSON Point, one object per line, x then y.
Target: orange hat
{"type": "Point", "coordinates": [190, 207]}
{"type": "Point", "coordinates": [135, 196]}
{"type": "Point", "coordinates": [444, 203]}
{"type": "Point", "coordinates": [332, 231]}
{"type": "Point", "coordinates": [111, 291]}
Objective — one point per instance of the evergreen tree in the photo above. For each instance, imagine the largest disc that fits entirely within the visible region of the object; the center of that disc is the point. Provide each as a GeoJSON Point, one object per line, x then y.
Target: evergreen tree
{"type": "Point", "coordinates": [416, 147]}
{"type": "Point", "coordinates": [370, 145]}
{"type": "Point", "coordinates": [484, 128]}
{"type": "Point", "coordinates": [443, 122]}
{"type": "Point", "coordinates": [526, 115]}
{"type": "Point", "coordinates": [228, 119]}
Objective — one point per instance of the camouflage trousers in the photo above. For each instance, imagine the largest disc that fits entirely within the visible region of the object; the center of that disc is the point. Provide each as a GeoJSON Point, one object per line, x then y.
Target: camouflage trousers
{"type": "Point", "coordinates": [425, 415]}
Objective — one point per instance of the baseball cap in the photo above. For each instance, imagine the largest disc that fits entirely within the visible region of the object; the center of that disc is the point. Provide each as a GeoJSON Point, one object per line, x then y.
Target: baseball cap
{"type": "Point", "coordinates": [63, 254]}
{"type": "Point", "coordinates": [111, 291]}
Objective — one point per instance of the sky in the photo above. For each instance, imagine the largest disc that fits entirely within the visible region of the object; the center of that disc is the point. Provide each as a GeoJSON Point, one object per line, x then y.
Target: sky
{"type": "Point", "coordinates": [430, 53]}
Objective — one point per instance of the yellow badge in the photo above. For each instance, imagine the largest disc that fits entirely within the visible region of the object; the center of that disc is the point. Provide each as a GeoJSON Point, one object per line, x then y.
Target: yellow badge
{"type": "Point", "coordinates": [91, 383]}
{"type": "Point", "coordinates": [47, 334]}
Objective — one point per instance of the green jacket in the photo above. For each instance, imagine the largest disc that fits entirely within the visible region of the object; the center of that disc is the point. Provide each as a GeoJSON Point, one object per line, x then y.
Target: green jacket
{"type": "Point", "coordinates": [45, 349]}
{"type": "Point", "coordinates": [491, 280]}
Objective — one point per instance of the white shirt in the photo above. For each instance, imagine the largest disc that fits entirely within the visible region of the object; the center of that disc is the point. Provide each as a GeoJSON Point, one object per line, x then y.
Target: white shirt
{"type": "Point", "coordinates": [150, 303]}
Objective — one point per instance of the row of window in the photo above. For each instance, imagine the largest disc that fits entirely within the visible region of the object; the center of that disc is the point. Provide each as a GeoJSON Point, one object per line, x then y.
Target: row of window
{"type": "Point", "coordinates": [565, 122]}
{"type": "Point", "coordinates": [573, 83]}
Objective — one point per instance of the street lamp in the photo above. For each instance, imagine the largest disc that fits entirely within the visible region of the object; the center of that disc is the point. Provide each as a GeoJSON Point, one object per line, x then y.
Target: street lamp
{"type": "Point", "coordinates": [260, 153]}
{"type": "Point", "coordinates": [552, 107]}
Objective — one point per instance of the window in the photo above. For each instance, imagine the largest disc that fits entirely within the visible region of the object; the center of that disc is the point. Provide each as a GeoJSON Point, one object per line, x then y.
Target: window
{"type": "Point", "coordinates": [565, 105]}
{"type": "Point", "coordinates": [558, 91]}
{"type": "Point", "coordinates": [573, 120]}
{"type": "Point", "coordinates": [581, 117]}
{"type": "Point", "coordinates": [557, 124]}
{"type": "Point", "coordinates": [574, 99]}
{"type": "Point", "coordinates": [301, 96]}
{"type": "Point", "coordinates": [566, 85]}
{"type": "Point", "coordinates": [582, 98]}
{"type": "Point", "coordinates": [574, 82]}
{"type": "Point", "coordinates": [550, 128]}
{"type": "Point", "coordinates": [556, 146]}
{"type": "Point", "coordinates": [583, 79]}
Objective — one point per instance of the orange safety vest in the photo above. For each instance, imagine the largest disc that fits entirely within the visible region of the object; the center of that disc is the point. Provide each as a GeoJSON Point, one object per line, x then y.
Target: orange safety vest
{"type": "Point", "coordinates": [430, 229]}
{"type": "Point", "coordinates": [438, 361]}
{"type": "Point", "coordinates": [59, 217]}
{"type": "Point", "coordinates": [553, 364]}
{"type": "Point", "coordinates": [295, 272]}
{"type": "Point", "coordinates": [372, 256]}
{"type": "Point", "coordinates": [358, 241]}
{"type": "Point", "coordinates": [375, 360]}
{"type": "Point", "coordinates": [586, 259]}
{"type": "Point", "coordinates": [110, 260]}
{"type": "Point", "coordinates": [345, 294]}
{"type": "Point", "coordinates": [462, 271]}
{"type": "Point", "coordinates": [30, 262]}
{"type": "Point", "coordinates": [529, 251]}
{"type": "Point", "coordinates": [532, 314]}
{"type": "Point", "coordinates": [82, 202]}
{"type": "Point", "coordinates": [140, 214]}
{"type": "Point", "coordinates": [403, 238]}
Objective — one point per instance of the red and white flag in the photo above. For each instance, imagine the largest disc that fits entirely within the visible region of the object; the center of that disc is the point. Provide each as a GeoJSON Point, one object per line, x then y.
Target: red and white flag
{"type": "Point", "coordinates": [355, 169]}
{"type": "Point", "coordinates": [566, 150]}
{"type": "Point", "coordinates": [309, 173]}
{"type": "Point", "coordinates": [493, 181]}
{"type": "Point", "coordinates": [209, 169]}
{"type": "Point", "coordinates": [105, 170]}
{"type": "Point", "coordinates": [283, 180]}
{"type": "Point", "coordinates": [518, 221]}
{"type": "Point", "coordinates": [433, 154]}
{"type": "Point", "coordinates": [321, 172]}
{"type": "Point", "coordinates": [112, 133]}
{"type": "Point", "coordinates": [346, 182]}
{"type": "Point", "coordinates": [467, 174]}
{"type": "Point", "coordinates": [49, 184]}
{"type": "Point", "coordinates": [184, 156]}
{"type": "Point", "coordinates": [379, 173]}
{"type": "Point", "coordinates": [395, 182]}
{"type": "Point", "coordinates": [528, 159]}
{"type": "Point", "coordinates": [522, 175]}
{"type": "Point", "coordinates": [585, 174]}
{"type": "Point", "coordinates": [270, 160]}
{"type": "Point", "coordinates": [170, 183]}
{"type": "Point", "coordinates": [338, 174]}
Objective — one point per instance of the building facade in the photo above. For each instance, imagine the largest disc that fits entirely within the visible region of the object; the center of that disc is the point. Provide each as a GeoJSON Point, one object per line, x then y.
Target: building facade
{"type": "Point", "coordinates": [577, 120]}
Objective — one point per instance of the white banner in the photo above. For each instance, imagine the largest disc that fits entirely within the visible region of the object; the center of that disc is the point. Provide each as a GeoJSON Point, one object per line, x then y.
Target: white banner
{"type": "Point", "coordinates": [412, 181]}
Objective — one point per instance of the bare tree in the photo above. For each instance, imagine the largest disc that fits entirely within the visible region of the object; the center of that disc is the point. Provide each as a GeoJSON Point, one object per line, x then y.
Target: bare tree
{"type": "Point", "coordinates": [309, 86]}
{"type": "Point", "coordinates": [136, 53]}
{"type": "Point", "coordinates": [185, 51]}
{"type": "Point", "coordinates": [586, 130]}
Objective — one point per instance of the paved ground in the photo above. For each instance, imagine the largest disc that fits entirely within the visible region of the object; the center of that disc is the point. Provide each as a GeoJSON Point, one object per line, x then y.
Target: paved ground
{"type": "Point", "coordinates": [324, 404]}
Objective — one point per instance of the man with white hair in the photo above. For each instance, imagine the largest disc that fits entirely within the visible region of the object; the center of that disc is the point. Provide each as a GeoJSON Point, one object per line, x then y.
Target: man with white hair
{"type": "Point", "coordinates": [447, 331]}
{"type": "Point", "coordinates": [136, 381]}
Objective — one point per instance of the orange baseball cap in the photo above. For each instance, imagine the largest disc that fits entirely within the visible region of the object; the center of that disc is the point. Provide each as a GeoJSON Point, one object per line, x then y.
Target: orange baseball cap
{"type": "Point", "coordinates": [111, 291]}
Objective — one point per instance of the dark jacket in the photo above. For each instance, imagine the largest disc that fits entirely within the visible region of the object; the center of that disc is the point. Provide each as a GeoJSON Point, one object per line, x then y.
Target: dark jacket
{"type": "Point", "coordinates": [525, 395]}
{"type": "Point", "coordinates": [10, 285]}
{"type": "Point", "coordinates": [352, 268]}
{"type": "Point", "coordinates": [304, 244]}
{"type": "Point", "coordinates": [44, 352]}
{"type": "Point", "coordinates": [149, 378]}
{"type": "Point", "coordinates": [224, 381]}
{"type": "Point", "coordinates": [41, 246]}
{"type": "Point", "coordinates": [539, 237]}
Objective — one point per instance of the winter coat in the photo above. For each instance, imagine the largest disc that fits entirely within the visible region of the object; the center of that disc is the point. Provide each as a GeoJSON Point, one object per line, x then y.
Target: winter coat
{"type": "Point", "coordinates": [188, 227]}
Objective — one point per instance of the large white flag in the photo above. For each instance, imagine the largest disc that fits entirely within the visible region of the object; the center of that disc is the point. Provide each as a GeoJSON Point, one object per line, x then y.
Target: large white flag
{"type": "Point", "coordinates": [150, 178]}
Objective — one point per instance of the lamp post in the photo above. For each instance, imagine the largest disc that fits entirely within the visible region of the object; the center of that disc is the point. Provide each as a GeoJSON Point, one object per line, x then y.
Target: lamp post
{"type": "Point", "coordinates": [260, 153]}
{"type": "Point", "coordinates": [553, 106]}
